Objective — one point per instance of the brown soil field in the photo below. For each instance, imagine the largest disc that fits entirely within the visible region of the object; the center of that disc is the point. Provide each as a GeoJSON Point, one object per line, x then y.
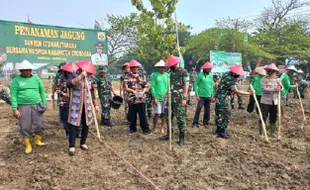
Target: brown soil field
{"type": "Point", "coordinates": [243, 162]}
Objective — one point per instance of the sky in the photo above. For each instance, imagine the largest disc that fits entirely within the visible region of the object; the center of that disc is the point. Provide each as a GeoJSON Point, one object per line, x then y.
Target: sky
{"type": "Point", "coordinates": [200, 14]}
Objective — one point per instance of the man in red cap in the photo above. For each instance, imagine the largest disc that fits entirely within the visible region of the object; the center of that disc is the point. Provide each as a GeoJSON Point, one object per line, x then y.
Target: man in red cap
{"type": "Point", "coordinates": [226, 87]}
{"type": "Point", "coordinates": [179, 80]}
{"type": "Point", "coordinates": [126, 72]}
{"type": "Point", "coordinates": [136, 86]}
{"type": "Point", "coordinates": [203, 88]}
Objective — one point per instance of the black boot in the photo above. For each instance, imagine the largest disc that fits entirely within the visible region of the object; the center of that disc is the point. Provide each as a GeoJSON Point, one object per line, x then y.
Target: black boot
{"type": "Point", "coordinates": [102, 122]}
{"type": "Point", "coordinates": [108, 123]}
{"type": "Point", "coordinates": [181, 138]}
{"type": "Point", "coordinates": [221, 133]}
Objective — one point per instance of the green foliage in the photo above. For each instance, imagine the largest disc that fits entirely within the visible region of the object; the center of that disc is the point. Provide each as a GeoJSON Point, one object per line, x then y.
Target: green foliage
{"type": "Point", "coordinates": [122, 34]}
{"type": "Point", "coordinates": [290, 40]}
{"type": "Point", "coordinates": [156, 38]}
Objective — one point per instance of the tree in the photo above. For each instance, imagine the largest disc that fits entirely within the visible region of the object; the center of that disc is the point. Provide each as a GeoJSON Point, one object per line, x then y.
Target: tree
{"type": "Point", "coordinates": [283, 36]}
{"type": "Point", "coordinates": [126, 57]}
{"type": "Point", "coordinates": [156, 37]}
{"type": "Point", "coordinates": [290, 40]}
{"type": "Point", "coordinates": [121, 34]}
{"type": "Point", "coordinates": [184, 33]}
{"type": "Point", "coordinates": [273, 17]}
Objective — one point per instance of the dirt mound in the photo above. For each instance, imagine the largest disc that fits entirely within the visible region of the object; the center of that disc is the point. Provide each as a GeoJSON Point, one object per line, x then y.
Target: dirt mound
{"type": "Point", "coordinates": [243, 162]}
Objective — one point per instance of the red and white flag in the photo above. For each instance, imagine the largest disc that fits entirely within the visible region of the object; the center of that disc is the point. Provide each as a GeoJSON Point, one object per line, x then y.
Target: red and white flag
{"type": "Point", "coordinates": [29, 21]}
{"type": "Point", "coordinates": [97, 25]}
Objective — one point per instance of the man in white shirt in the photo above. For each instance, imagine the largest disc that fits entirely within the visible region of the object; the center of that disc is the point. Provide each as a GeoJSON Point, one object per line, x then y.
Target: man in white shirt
{"type": "Point", "coordinates": [99, 58]}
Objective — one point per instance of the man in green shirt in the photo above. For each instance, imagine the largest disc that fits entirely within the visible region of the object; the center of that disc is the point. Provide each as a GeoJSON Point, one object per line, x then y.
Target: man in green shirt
{"type": "Point", "coordinates": [203, 88]}
{"type": "Point", "coordinates": [159, 88]}
{"type": "Point", "coordinates": [286, 82]}
{"type": "Point", "coordinates": [260, 73]}
{"type": "Point", "coordinates": [27, 94]}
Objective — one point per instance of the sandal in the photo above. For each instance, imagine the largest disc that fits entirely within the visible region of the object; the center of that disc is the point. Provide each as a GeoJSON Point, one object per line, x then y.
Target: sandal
{"type": "Point", "coordinates": [84, 147]}
{"type": "Point", "coordinates": [71, 151]}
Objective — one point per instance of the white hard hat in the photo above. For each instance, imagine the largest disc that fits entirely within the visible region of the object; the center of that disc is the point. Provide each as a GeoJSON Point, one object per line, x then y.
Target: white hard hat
{"type": "Point", "coordinates": [300, 71]}
{"type": "Point", "coordinates": [161, 63]}
{"type": "Point", "coordinates": [25, 65]}
{"type": "Point", "coordinates": [292, 68]}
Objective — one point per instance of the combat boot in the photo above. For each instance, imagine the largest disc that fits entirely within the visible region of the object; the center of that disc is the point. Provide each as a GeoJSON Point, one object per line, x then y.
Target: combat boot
{"type": "Point", "coordinates": [102, 122]}
{"type": "Point", "coordinates": [221, 133]}
{"type": "Point", "coordinates": [273, 130]}
{"type": "Point", "coordinates": [38, 140]}
{"type": "Point", "coordinates": [181, 138]}
{"type": "Point", "coordinates": [28, 146]}
{"type": "Point", "coordinates": [108, 123]}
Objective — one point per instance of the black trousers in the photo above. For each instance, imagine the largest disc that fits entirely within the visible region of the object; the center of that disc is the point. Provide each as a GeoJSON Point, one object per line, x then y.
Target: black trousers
{"type": "Point", "coordinates": [206, 116]}
{"type": "Point", "coordinates": [73, 130]}
{"type": "Point", "coordinates": [64, 111]}
{"type": "Point", "coordinates": [251, 104]}
{"type": "Point", "coordinates": [270, 110]}
{"type": "Point", "coordinates": [140, 109]}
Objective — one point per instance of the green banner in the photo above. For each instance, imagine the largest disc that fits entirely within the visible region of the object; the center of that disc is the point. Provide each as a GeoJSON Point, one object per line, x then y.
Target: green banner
{"type": "Point", "coordinates": [222, 60]}
{"type": "Point", "coordinates": [51, 44]}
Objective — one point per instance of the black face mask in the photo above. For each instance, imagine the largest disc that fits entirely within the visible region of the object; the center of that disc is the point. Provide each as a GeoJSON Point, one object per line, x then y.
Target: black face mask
{"type": "Point", "coordinates": [206, 72]}
{"type": "Point", "coordinates": [236, 76]}
{"type": "Point", "coordinates": [270, 72]}
{"type": "Point", "coordinates": [172, 68]}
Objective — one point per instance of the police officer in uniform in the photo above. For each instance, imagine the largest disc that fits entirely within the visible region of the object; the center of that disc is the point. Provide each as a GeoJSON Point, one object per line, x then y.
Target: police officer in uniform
{"type": "Point", "coordinates": [99, 58]}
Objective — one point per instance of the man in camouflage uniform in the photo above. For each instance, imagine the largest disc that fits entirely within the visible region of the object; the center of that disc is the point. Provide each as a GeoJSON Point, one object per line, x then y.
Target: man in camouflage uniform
{"type": "Point", "coordinates": [226, 87]}
{"type": "Point", "coordinates": [302, 86]}
{"type": "Point", "coordinates": [179, 80]}
{"type": "Point", "coordinates": [126, 72]}
{"type": "Point", "coordinates": [58, 80]}
{"type": "Point", "coordinates": [232, 97]}
{"type": "Point", "coordinates": [4, 95]}
{"type": "Point", "coordinates": [105, 90]}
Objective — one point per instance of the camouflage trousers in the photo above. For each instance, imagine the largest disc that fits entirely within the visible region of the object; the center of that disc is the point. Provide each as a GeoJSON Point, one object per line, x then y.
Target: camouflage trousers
{"type": "Point", "coordinates": [149, 105]}
{"type": "Point", "coordinates": [222, 114]}
{"type": "Point", "coordinates": [190, 89]}
{"type": "Point", "coordinates": [105, 109]}
{"type": "Point", "coordinates": [5, 96]}
{"type": "Point", "coordinates": [180, 113]}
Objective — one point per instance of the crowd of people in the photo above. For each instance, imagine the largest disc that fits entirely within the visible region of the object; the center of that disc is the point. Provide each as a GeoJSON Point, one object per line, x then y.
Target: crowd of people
{"type": "Point", "coordinates": [82, 89]}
